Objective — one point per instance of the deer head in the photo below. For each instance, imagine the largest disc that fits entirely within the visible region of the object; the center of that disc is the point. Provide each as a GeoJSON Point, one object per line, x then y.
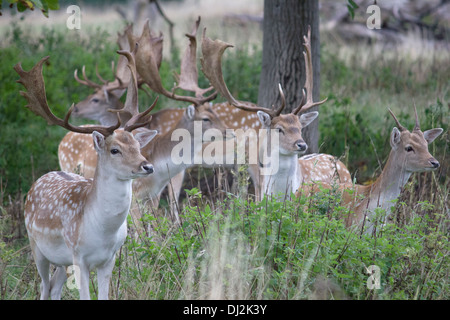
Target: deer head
{"type": "Point", "coordinates": [108, 140]}
{"type": "Point", "coordinates": [410, 148]}
{"type": "Point", "coordinates": [106, 94]}
{"type": "Point", "coordinates": [288, 125]}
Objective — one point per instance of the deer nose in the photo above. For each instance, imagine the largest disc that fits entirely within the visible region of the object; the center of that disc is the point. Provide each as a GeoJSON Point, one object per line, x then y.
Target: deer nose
{"type": "Point", "coordinates": [147, 167]}
{"type": "Point", "coordinates": [301, 145]}
{"type": "Point", "coordinates": [434, 163]}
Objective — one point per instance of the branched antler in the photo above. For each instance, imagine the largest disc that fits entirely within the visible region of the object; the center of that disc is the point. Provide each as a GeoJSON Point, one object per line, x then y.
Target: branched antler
{"type": "Point", "coordinates": [33, 82]}
{"type": "Point", "coordinates": [131, 106]}
{"type": "Point", "coordinates": [212, 68]}
{"type": "Point", "coordinates": [188, 77]}
{"type": "Point", "coordinates": [148, 60]}
{"type": "Point", "coordinates": [211, 61]}
{"type": "Point", "coordinates": [307, 98]}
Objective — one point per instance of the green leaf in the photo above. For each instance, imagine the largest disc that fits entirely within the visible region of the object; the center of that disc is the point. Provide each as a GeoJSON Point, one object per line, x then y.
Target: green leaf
{"type": "Point", "coordinates": [38, 4]}
{"type": "Point", "coordinates": [52, 4]}
{"type": "Point", "coordinates": [353, 4]}
{"type": "Point", "coordinates": [351, 11]}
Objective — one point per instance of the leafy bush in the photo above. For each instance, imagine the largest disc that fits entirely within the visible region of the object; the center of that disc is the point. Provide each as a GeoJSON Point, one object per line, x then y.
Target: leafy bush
{"type": "Point", "coordinates": [239, 249]}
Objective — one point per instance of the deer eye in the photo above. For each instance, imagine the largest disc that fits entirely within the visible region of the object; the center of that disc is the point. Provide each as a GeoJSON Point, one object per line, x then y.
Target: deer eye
{"type": "Point", "coordinates": [115, 151]}
{"type": "Point", "coordinates": [279, 130]}
{"type": "Point", "coordinates": [95, 100]}
{"type": "Point", "coordinates": [205, 120]}
{"type": "Point", "coordinates": [409, 149]}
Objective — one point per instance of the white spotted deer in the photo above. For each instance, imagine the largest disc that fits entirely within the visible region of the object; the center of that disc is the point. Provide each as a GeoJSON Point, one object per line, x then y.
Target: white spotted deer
{"type": "Point", "coordinates": [291, 172]}
{"type": "Point", "coordinates": [409, 154]}
{"type": "Point", "coordinates": [79, 222]}
{"type": "Point", "coordinates": [75, 151]}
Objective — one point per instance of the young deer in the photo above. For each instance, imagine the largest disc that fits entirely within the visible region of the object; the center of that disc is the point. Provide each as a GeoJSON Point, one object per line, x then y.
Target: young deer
{"type": "Point", "coordinates": [73, 221]}
{"type": "Point", "coordinates": [290, 172]}
{"type": "Point", "coordinates": [409, 154]}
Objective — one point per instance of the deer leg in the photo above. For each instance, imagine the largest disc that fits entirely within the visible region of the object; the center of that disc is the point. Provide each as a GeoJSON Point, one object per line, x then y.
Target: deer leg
{"type": "Point", "coordinates": [84, 278]}
{"type": "Point", "coordinates": [43, 266]}
{"type": "Point", "coordinates": [253, 170]}
{"type": "Point", "coordinates": [174, 188]}
{"type": "Point", "coordinates": [136, 215]}
{"type": "Point", "coordinates": [104, 274]}
{"type": "Point", "coordinates": [57, 282]}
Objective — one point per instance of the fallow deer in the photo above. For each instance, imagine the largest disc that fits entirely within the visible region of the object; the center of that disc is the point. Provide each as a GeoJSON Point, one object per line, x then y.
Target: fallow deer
{"type": "Point", "coordinates": [73, 221]}
{"type": "Point", "coordinates": [292, 172]}
{"type": "Point", "coordinates": [159, 151]}
{"type": "Point", "coordinates": [75, 151]}
{"type": "Point", "coordinates": [409, 154]}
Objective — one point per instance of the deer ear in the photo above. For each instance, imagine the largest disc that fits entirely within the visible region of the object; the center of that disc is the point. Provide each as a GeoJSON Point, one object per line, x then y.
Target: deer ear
{"type": "Point", "coordinates": [432, 134]}
{"type": "Point", "coordinates": [118, 92]}
{"type": "Point", "coordinates": [307, 118]}
{"type": "Point", "coordinates": [190, 112]}
{"type": "Point", "coordinates": [99, 141]}
{"type": "Point", "coordinates": [144, 136]}
{"type": "Point", "coordinates": [264, 118]}
{"type": "Point", "coordinates": [395, 138]}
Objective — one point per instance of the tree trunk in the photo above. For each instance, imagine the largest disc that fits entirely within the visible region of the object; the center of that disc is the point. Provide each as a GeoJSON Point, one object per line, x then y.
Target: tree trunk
{"type": "Point", "coordinates": [285, 24]}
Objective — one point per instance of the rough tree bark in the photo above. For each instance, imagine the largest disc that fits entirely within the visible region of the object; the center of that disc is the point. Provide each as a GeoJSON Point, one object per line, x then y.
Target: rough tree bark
{"type": "Point", "coordinates": [285, 23]}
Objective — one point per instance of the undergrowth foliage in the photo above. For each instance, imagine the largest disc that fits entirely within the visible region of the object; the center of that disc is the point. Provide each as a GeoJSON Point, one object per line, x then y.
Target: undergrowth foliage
{"type": "Point", "coordinates": [227, 246]}
{"type": "Point", "coordinates": [295, 249]}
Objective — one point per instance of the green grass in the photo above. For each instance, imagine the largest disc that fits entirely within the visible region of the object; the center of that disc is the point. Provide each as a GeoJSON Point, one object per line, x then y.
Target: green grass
{"type": "Point", "coordinates": [233, 248]}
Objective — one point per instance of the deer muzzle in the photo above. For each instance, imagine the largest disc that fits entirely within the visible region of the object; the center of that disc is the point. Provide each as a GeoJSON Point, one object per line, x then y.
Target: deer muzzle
{"type": "Point", "coordinates": [301, 145]}
{"type": "Point", "coordinates": [434, 163]}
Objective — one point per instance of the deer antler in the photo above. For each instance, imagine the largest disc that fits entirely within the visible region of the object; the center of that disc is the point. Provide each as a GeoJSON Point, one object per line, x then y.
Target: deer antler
{"type": "Point", "coordinates": [86, 81]}
{"type": "Point", "coordinates": [131, 106]}
{"type": "Point", "coordinates": [308, 87]}
{"type": "Point", "coordinates": [148, 61]}
{"type": "Point", "coordinates": [400, 127]}
{"type": "Point", "coordinates": [211, 61]}
{"type": "Point", "coordinates": [417, 125]}
{"type": "Point", "coordinates": [108, 86]}
{"type": "Point", "coordinates": [33, 82]}
{"type": "Point", "coordinates": [188, 77]}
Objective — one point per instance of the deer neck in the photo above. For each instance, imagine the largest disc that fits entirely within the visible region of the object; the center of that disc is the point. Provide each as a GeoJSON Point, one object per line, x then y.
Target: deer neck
{"type": "Point", "coordinates": [159, 153]}
{"type": "Point", "coordinates": [109, 200]}
{"type": "Point", "coordinates": [389, 184]}
{"type": "Point", "coordinates": [110, 118]}
{"type": "Point", "coordinates": [284, 176]}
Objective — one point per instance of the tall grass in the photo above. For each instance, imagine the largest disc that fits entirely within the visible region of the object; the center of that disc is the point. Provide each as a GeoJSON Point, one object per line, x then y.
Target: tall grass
{"type": "Point", "coordinates": [229, 247]}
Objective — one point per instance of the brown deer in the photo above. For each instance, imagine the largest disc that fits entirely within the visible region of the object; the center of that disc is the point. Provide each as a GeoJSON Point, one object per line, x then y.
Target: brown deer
{"type": "Point", "coordinates": [409, 154]}
{"type": "Point", "coordinates": [290, 172]}
{"type": "Point", "coordinates": [79, 222]}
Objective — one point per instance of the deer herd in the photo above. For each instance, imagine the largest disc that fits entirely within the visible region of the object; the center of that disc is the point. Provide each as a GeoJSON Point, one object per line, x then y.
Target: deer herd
{"type": "Point", "coordinates": [78, 216]}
